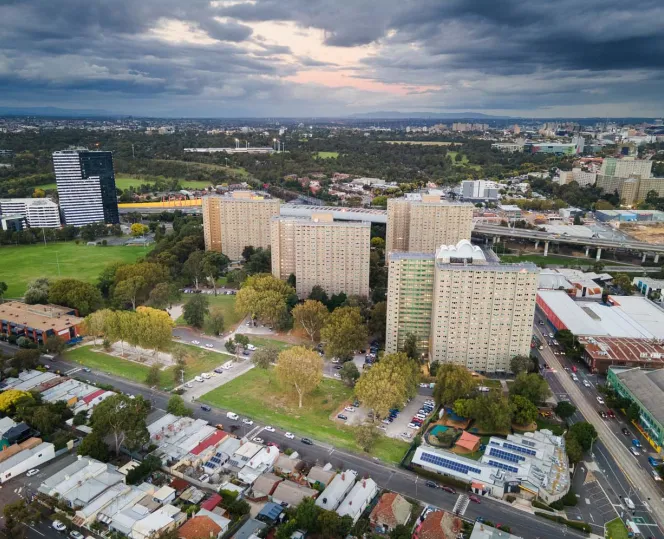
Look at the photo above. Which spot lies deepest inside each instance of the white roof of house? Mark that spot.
(34, 381)
(25, 454)
(164, 492)
(66, 478)
(88, 489)
(156, 521)
(630, 316)
(100, 502)
(463, 249)
(361, 494)
(125, 500)
(6, 423)
(331, 497)
(248, 450)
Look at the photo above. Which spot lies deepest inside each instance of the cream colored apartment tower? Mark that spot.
(421, 225)
(320, 251)
(230, 223)
(480, 314)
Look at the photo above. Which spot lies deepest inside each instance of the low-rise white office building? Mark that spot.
(38, 212)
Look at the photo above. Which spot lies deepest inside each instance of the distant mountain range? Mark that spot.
(53, 111)
(395, 115)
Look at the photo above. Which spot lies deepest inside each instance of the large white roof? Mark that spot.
(629, 316)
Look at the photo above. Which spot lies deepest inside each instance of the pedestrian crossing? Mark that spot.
(461, 505)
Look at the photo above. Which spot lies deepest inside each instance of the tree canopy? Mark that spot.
(453, 382)
(300, 370)
(344, 332)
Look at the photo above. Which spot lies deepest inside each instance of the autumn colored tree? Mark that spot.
(300, 370)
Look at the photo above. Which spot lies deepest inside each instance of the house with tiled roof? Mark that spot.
(439, 525)
(391, 510)
(205, 525)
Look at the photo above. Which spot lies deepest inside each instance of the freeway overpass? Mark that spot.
(496, 232)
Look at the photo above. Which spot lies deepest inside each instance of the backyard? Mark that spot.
(24, 263)
(258, 395)
(199, 361)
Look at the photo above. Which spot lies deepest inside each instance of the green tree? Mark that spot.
(306, 515)
(160, 296)
(37, 291)
(195, 311)
(215, 323)
(492, 412)
(531, 386)
(79, 295)
(310, 316)
(565, 409)
(633, 412)
(349, 373)
(248, 252)
(241, 340)
(17, 514)
(264, 357)
(584, 433)
(378, 243)
(380, 201)
(55, 345)
(519, 364)
(176, 406)
(25, 359)
(94, 446)
(193, 267)
(573, 449)
(231, 346)
(265, 297)
(259, 262)
(299, 369)
(124, 419)
(3, 290)
(127, 291)
(524, 411)
(318, 294)
(410, 346)
(624, 282)
(366, 437)
(453, 382)
(152, 378)
(344, 332)
(214, 265)
(378, 320)
(401, 532)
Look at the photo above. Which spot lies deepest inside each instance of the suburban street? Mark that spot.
(622, 475)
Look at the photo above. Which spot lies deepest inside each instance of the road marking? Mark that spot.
(72, 371)
(461, 505)
(36, 531)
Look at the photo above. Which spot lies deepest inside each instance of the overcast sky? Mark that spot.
(335, 57)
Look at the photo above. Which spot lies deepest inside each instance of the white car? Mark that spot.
(350, 408)
(258, 440)
(208, 345)
(269, 429)
(406, 435)
(198, 379)
(655, 475)
(76, 534)
(59, 526)
(32, 472)
(248, 421)
(204, 478)
(290, 435)
(189, 385)
(195, 342)
(600, 400)
(424, 385)
(337, 375)
(586, 383)
(335, 360)
(413, 426)
(551, 335)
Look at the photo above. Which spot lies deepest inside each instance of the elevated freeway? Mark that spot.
(496, 232)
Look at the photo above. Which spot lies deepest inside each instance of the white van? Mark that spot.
(233, 416)
(251, 347)
(227, 365)
(198, 379)
(206, 375)
(629, 503)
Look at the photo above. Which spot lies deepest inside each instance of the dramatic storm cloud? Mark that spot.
(326, 57)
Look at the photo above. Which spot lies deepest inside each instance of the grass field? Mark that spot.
(615, 530)
(210, 166)
(258, 395)
(328, 155)
(422, 142)
(24, 263)
(262, 342)
(199, 361)
(226, 304)
(125, 182)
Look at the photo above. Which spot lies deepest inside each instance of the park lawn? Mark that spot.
(225, 303)
(328, 155)
(423, 142)
(237, 171)
(615, 530)
(125, 182)
(262, 342)
(24, 263)
(200, 361)
(258, 395)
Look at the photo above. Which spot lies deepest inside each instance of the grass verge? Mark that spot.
(615, 530)
(24, 263)
(258, 394)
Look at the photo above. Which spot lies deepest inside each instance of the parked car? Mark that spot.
(413, 426)
(634, 451)
(611, 413)
(205, 408)
(268, 428)
(626, 432)
(602, 414)
(32, 472)
(59, 526)
(232, 415)
(338, 367)
(208, 345)
(258, 440)
(651, 460)
(307, 441)
(629, 503)
(431, 484)
(636, 443)
(195, 342)
(586, 383)
(655, 475)
(189, 385)
(342, 417)
(290, 435)
(600, 399)
(199, 378)
(449, 489)
(474, 499)
(248, 421)
(76, 534)
(87, 369)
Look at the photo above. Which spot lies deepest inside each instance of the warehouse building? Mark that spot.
(39, 322)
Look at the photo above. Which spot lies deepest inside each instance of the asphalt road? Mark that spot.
(622, 475)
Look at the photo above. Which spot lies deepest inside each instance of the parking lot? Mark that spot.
(397, 427)
(592, 501)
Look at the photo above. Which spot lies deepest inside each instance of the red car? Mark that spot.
(273, 444)
(416, 420)
(474, 498)
(448, 489)
(611, 414)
